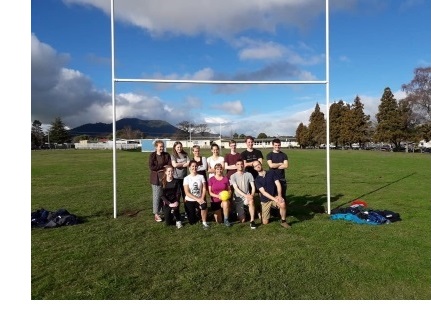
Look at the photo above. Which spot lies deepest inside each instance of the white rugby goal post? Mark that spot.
(148, 80)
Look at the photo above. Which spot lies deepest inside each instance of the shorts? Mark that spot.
(266, 209)
(215, 206)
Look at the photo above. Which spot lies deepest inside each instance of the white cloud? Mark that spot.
(233, 107)
(273, 123)
(223, 18)
(344, 59)
(262, 50)
(61, 91)
(57, 91)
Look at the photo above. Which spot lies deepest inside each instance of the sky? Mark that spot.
(373, 44)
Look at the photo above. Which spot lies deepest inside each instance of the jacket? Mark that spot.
(157, 163)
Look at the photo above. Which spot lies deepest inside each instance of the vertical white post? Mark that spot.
(190, 139)
(114, 118)
(220, 141)
(328, 169)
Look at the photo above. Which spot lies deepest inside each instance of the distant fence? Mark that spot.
(107, 146)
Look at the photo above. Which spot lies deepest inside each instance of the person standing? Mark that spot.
(171, 193)
(251, 154)
(278, 162)
(244, 189)
(195, 188)
(214, 159)
(201, 161)
(217, 184)
(180, 161)
(157, 161)
(269, 187)
(230, 159)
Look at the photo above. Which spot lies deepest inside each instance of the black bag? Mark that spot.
(47, 219)
(40, 217)
(389, 215)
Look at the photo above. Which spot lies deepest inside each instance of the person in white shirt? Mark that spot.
(195, 188)
(214, 159)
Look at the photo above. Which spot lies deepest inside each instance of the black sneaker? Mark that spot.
(253, 225)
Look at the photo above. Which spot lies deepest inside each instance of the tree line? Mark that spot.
(406, 120)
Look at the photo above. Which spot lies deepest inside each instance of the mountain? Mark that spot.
(151, 128)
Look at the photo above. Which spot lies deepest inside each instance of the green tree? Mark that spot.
(359, 122)
(58, 132)
(37, 134)
(346, 136)
(262, 135)
(317, 127)
(302, 136)
(392, 120)
(424, 131)
(336, 111)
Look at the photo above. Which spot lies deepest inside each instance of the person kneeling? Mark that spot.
(269, 188)
(171, 192)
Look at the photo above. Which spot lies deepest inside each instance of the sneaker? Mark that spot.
(253, 225)
(179, 224)
(206, 225)
(285, 225)
(157, 218)
(227, 223)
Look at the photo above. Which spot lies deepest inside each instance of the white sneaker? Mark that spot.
(206, 225)
(179, 225)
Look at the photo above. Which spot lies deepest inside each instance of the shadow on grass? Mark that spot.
(373, 191)
(130, 213)
(97, 214)
(306, 206)
(301, 207)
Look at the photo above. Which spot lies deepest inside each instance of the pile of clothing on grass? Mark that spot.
(46, 219)
(359, 212)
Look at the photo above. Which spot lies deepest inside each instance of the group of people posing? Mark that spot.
(180, 176)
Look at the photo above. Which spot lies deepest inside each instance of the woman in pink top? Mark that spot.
(217, 184)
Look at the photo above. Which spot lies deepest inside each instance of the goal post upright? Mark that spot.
(115, 80)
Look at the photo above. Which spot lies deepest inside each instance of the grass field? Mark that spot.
(133, 257)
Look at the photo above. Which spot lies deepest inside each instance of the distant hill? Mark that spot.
(151, 128)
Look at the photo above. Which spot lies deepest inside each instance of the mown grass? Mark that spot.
(133, 257)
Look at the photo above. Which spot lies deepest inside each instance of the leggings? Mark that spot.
(183, 192)
(170, 214)
(157, 193)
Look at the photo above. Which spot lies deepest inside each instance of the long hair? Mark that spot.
(164, 180)
(174, 151)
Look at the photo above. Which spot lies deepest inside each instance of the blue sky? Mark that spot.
(373, 44)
